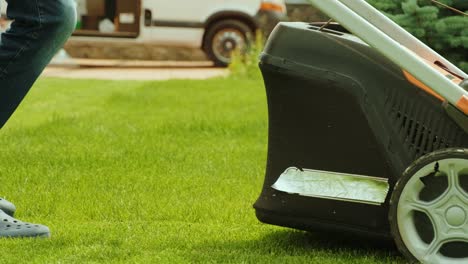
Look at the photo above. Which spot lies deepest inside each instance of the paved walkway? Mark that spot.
(132, 70)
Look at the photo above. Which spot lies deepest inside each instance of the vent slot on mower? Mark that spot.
(421, 129)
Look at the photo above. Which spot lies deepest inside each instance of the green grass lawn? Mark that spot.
(150, 172)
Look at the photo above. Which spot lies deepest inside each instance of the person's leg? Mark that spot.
(39, 30)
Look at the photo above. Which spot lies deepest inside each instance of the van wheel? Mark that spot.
(224, 37)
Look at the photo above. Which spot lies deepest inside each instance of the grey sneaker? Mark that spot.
(7, 207)
(13, 228)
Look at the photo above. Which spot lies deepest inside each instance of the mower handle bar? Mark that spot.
(398, 45)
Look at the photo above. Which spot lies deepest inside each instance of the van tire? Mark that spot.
(223, 37)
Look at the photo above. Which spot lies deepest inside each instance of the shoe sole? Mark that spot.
(42, 235)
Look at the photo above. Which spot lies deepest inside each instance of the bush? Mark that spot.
(244, 65)
(440, 28)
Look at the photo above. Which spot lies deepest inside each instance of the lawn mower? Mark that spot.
(368, 133)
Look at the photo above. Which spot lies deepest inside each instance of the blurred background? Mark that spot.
(158, 30)
(209, 31)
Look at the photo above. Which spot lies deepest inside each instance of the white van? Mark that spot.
(216, 26)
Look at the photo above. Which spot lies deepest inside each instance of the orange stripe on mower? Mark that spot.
(463, 104)
(421, 85)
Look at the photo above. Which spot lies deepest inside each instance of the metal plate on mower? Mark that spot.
(333, 186)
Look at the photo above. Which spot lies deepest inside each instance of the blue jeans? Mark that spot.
(40, 28)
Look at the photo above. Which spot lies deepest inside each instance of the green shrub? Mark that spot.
(244, 64)
(440, 28)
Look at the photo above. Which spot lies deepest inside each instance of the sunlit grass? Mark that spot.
(150, 172)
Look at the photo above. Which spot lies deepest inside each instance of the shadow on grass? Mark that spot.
(326, 241)
(293, 246)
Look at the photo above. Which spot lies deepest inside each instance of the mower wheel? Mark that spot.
(429, 208)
